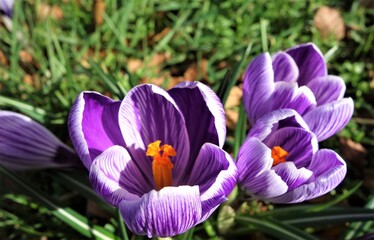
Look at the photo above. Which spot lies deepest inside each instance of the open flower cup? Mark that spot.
(157, 155)
(280, 161)
(296, 79)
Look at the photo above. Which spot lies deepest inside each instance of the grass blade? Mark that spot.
(67, 215)
(276, 229)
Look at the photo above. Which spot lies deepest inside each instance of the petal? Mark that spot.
(255, 174)
(258, 86)
(164, 213)
(108, 179)
(289, 95)
(327, 89)
(330, 118)
(293, 176)
(93, 125)
(147, 114)
(25, 144)
(203, 114)
(253, 159)
(300, 144)
(328, 171)
(310, 62)
(7, 7)
(285, 68)
(276, 120)
(215, 173)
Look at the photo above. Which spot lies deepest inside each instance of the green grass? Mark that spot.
(70, 55)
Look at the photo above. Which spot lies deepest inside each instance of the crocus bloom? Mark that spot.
(296, 79)
(25, 145)
(280, 161)
(6, 6)
(156, 155)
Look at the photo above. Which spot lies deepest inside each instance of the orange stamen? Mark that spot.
(279, 155)
(161, 165)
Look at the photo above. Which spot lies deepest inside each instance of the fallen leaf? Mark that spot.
(159, 59)
(232, 107)
(25, 56)
(134, 65)
(160, 35)
(3, 59)
(328, 21)
(234, 98)
(45, 11)
(175, 80)
(353, 152)
(99, 9)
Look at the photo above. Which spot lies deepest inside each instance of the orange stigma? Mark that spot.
(161, 165)
(279, 155)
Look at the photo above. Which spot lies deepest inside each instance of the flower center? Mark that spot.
(279, 155)
(161, 165)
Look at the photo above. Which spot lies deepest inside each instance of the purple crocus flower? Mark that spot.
(296, 79)
(156, 155)
(6, 6)
(280, 161)
(26, 145)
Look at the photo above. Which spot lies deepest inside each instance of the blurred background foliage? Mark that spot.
(55, 49)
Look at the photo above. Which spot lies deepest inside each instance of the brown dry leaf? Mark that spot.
(329, 22)
(159, 59)
(134, 65)
(154, 80)
(99, 9)
(25, 56)
(353, 152)
(3, 59)
(160, 35)
(231, 107)
(31, 80)
(174, 81)
(232, 117)
(45, 11)
(371, 74)
(195, 71)
(234, 98)
(191, 73)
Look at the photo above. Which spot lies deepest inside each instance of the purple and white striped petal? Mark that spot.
(205, 123)
(164, 213)
(108, 178)
(310, 62)
(327, 89)
(293, 176)
(255, 174)
(300, 144)
(215, 173)
(285, 68)
(258, 87)
(25, 144)
(328, 168)
(274, 120)
(7, 7)
(289, 95)
(93, 125)
(147, 114)
(330, 118)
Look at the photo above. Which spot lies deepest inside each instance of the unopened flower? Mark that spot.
(156, 155)
(280, 161)
(296, 79)
(26, 145)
